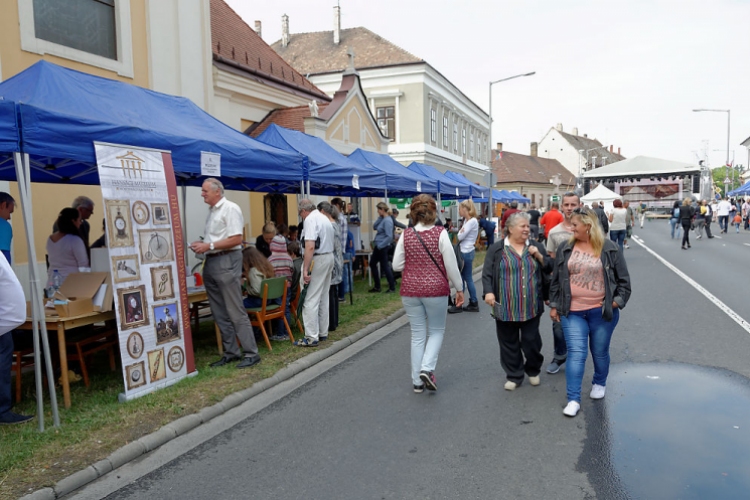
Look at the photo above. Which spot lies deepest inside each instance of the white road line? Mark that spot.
(746, 244)
(718, 303)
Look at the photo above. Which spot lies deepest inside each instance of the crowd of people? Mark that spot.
(697, 216)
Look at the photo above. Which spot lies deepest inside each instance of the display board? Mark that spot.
(144, 238)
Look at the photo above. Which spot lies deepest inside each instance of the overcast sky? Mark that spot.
(627, 72)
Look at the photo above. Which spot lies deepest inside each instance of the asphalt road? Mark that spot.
(358, 431)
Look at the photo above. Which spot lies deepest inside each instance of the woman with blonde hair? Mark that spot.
(467, 237)
(590, 284)
(425, 255)
(255, 268)
(383, 239)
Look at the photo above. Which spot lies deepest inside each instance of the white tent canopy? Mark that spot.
(642, 166)
(601, 193)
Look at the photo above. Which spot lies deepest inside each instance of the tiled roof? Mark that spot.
(291, 118)
(586, 143)
(314, 53)
(235, 43)
(514, 167)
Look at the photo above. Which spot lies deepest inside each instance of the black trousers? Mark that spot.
(380, 256)
(686, 233)
(519, 339)
(333, 307)
(708, 226)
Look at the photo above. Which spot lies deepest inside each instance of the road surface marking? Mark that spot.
(718, 303)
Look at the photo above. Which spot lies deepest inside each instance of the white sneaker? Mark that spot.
(597, 391)
(535, 380)
(510, 386)
(572, 409)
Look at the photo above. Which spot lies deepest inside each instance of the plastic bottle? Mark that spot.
(56, 280)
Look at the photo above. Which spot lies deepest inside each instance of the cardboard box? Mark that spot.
(79, 291)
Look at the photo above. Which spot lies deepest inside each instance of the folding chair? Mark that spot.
(273, 288)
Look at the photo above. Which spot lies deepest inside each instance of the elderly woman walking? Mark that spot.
(513, 280)
(590, 284)
(425, 255)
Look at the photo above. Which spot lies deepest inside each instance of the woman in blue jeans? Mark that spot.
(467, 237)
(590, 284)
(618, 223)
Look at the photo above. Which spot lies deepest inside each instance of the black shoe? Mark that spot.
(10, 418)
(473, 307)
(374, 290)
(454, 310)
(248, 361)
(429, 380)
(225, 360)
(391, 290)
(419, 389)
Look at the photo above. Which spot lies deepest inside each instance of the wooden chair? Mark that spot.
(21, 359)
(293, 307)
(273, 288)
(80, 347)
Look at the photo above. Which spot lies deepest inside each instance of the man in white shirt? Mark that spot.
(222, 275)
(12, 314)
(317, 266)
(722, 211)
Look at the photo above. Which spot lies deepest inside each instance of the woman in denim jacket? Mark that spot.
(590, 284)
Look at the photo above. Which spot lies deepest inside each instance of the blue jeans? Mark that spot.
(558, 340)
(618, 236)
(675, 223)
(427, 318)
(723, 221)
(346, 276)
(466, 275)
(582, 328)
(6, 360)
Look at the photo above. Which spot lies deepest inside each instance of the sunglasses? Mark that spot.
(583, 211)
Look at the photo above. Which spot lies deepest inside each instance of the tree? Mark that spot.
(733, 173)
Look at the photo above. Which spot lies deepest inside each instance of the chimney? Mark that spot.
(499, 146)
(258, 29)
(575, 131)
(284, 30)
(586, 135)
(534, 148)
(559, 127)
(336, 24)
(618, 151)
(611, 148)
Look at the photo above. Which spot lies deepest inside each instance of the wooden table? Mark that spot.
(61, 325)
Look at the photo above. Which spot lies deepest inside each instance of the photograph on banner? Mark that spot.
(142, 219)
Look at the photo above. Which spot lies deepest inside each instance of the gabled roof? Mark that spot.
(236, 44)
(315, 53)
(586, 143)
(291, 118)
(514, 167)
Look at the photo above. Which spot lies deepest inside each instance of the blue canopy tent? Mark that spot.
(449, 189)
(8, 129)
(517, 197)
(502, 196)
(61, 112)
(476, 190)
(741, 191)
(400, 181)
(328, 172)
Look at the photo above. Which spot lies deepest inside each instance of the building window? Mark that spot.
(455, 137)
(445, 131)
(533, 198)
(387, 121)
(471, 145)
(433, 125)
(93, 32)
(87, 25)
(463, 141)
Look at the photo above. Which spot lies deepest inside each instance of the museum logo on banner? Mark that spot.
(144, 238)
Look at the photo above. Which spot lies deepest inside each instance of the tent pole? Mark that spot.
(385, 196)
(23, 177)
(308, 188)
(302, 188)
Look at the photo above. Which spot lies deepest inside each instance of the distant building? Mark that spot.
(425, 117)
(530, 175)
(575, 152)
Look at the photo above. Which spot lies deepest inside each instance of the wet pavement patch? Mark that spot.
(669, 431)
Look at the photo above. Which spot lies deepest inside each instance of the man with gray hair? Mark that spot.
(222, 275)
(317, 267)
(85, 207)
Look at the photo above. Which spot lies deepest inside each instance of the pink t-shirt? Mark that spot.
(586, 280)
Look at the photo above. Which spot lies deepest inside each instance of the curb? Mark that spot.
(183, 425)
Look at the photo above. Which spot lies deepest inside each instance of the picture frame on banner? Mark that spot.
(125, 268)
(155, 245)
(119, 223)
(160, 212)
(162, 283)
(133, 307)
(166, 323)
(157, 365)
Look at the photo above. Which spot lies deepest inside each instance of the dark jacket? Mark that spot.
(603, 219)
(616, 279)
(491, 270)
(686, 214)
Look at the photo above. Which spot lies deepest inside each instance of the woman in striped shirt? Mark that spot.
(513, 279)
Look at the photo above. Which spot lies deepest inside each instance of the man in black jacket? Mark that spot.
(603, 220)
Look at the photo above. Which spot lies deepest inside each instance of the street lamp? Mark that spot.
(491, 213)
(728, 123)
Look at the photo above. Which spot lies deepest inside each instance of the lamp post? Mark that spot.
(729, 114)
(491, 213)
